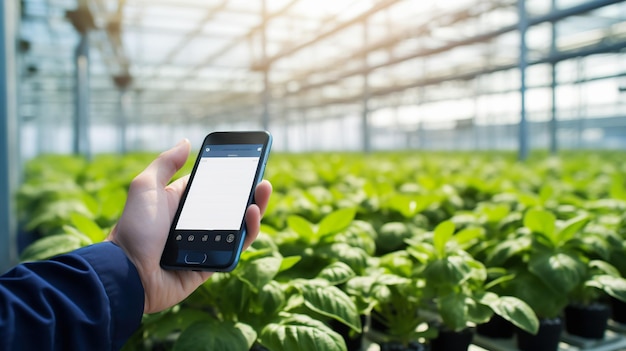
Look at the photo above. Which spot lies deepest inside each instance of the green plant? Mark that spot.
(393, 303)
(81, 231)
(458, 283)
(337, 237)
(249, 305)
(520, 229)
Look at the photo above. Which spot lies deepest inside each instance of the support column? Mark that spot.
(122, 82)
(9, 145)
(523, 63)
(365, 125)
(83, 22)
(553, 119)
(475, 128)
(81, 97)
(265, 96)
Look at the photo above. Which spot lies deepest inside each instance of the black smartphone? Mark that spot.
(209, 229)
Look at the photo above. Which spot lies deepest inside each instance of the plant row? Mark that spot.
(407, 247)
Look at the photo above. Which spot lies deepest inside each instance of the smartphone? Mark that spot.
(209, 229)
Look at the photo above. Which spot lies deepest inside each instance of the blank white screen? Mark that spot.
(219, 193)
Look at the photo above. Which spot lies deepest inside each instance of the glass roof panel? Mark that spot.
(315, 50)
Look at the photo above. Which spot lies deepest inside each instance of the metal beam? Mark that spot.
(553, 84)
(9, 146)
(522, 65)
(480, 38)
(195, 32)
(227, 48)
(601, 48)
(557, 15)
(560, 56)
(400, 59)
(81, 144)
(353, 21)
(442, 20)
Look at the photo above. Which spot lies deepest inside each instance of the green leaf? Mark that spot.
(404, 204)
(617, 190)
(300, 333)
(174, 320)
(391, 236)
(259, 272)
(468, 235)
(271, 298)
(447, 272)
(88, 227)
(84, 239)
(301, 226)
(604, 267)
(50, 246)
(495, 213)
(397, 262)
(614, 286)
(453, 310)
(443, 232)
(336, 273)
(289, 262)
(477, 313)
(391, 279)
(544, 301)
(546, 193)
(113, 203)
(354, 257)
(336, 221)
(515, 311)
(55, 213)
(333, 303)
(216, 335)
(540, 221)
(571, 227)
(508, 249)
(562, 272)
(89, 202)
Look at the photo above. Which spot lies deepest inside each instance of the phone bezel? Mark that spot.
(170, 250)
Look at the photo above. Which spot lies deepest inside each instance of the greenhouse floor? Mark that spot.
(614, 340)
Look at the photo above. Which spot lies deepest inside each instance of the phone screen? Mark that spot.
(218, 194)
(208, 230)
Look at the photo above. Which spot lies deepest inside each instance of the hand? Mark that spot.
(144, 225)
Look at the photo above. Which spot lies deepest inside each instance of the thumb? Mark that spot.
(169, 162)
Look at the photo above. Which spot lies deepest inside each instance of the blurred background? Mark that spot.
(114, 76)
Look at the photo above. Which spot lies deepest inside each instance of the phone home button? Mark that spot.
(195, 258)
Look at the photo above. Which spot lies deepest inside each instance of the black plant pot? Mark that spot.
(618, 310)
(448, 340)
(377, 324)
(547, 338)
(587, 321)
(396, 346)
(353, 342)
(497, 328)
(258, 347)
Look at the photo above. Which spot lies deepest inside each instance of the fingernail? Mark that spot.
(181, 142)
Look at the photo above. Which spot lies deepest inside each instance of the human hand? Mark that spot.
(144, 225)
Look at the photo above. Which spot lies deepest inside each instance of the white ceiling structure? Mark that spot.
(236, 61)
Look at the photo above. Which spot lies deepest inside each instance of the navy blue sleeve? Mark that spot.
(89, 299)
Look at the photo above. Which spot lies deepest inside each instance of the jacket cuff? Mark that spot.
(123, 286)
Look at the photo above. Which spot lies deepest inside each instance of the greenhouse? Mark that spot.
(445, 175)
